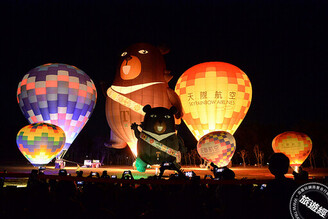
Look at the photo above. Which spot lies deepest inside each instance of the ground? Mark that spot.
(241, 172)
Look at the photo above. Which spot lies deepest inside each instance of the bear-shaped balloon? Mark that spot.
(141, 79)
(158, 141)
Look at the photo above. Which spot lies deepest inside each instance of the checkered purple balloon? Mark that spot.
(59, 94)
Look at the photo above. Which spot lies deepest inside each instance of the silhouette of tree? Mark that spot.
(325, 158)
(243, 154)
(189, 157)
(261, 158)
(312, 158)
(185, 156)
(194, 155)
(257, 154)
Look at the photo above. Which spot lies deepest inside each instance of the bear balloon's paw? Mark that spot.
(134, 126)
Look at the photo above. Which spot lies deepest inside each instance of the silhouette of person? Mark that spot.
(223, 173)
(105, 174)
(301, 174)
(33, 179)
(280, 189)
(226, 195)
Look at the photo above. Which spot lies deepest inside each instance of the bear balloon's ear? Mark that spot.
(164, 49)
(146, 108)
(173, 110)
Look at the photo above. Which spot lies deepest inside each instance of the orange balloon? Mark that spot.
(141, 79)
(215, 96)
(295, 145)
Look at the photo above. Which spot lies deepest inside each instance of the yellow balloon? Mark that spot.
(295, 145)
(215, 96)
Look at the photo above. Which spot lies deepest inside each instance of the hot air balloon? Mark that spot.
(217, 147)
(40, 142)
(295, 145)
(59, 94)
(215, 96)
(141, 79)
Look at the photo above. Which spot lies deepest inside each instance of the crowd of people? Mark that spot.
(82, 199)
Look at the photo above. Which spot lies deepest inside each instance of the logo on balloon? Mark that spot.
(40, 142)
(217, 147)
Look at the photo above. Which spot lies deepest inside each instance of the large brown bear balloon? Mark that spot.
(141, 79)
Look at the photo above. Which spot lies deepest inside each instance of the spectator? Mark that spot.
(223, 173)
(301, 174)
(280, 189)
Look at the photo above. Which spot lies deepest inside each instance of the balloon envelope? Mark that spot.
(40, 142)
(295, 145)
(217, 147)
(140, 79)
(215, 97)
(59, 94)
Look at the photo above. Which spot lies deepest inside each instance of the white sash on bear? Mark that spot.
(114, 93)
(125, 101)
(156, 144)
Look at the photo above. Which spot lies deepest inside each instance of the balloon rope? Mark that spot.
(136, 107)
(160, 146)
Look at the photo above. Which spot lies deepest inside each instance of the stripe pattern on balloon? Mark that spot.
(40, 142)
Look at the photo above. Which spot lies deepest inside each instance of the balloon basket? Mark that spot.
(156, 167)
(40, 166)
(60, 164)
(296, 168)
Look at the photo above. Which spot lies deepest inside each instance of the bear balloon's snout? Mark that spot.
(130, 67)
(160, 127)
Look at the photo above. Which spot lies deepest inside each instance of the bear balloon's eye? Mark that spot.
(124, 54)
(143, 51)
(167, 116)
(153, 116)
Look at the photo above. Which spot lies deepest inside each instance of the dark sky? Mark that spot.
(281, 46)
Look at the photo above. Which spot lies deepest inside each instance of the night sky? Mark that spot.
(280, 45)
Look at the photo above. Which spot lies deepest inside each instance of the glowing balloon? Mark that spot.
(40, 142)
(59, 94)
(141, 79)
(215, 96)
(295, 145)
(217, 147)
